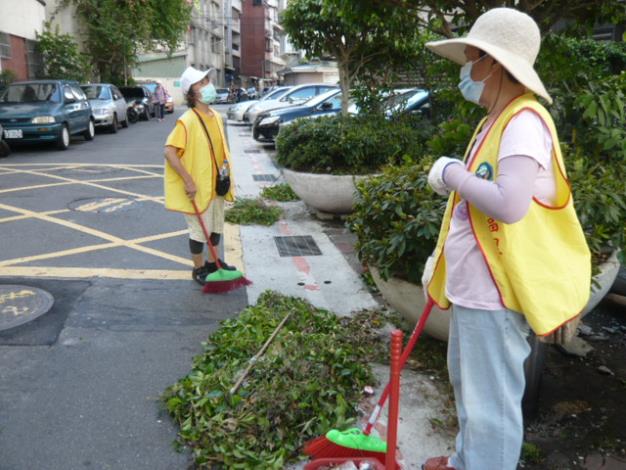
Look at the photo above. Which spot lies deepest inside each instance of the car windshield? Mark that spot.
(221, 91)
(275, 94)
(97, 92)
(151, 86)
(30, 93)
(133, 92)
(321, 98)
(403, 100)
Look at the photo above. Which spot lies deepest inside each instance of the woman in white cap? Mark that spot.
(196, 151)
(511, 252)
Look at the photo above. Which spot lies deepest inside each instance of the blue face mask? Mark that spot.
(208, 94)
(471, 89)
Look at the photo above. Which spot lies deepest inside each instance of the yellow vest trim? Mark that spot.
(197, 160)
(540, 265)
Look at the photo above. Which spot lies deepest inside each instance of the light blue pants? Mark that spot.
(486, 354)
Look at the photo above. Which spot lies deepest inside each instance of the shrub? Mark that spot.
(308, 381)
(397, 219)
(351, 145)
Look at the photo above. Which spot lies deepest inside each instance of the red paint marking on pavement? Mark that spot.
(300, 262)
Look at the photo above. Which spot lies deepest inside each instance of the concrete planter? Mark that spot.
(603, 282)
(408, 298)
(334, 194)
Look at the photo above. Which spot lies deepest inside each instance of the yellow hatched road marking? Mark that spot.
(76, 165)
(87, 183)
(91, 248)
(97, 233)
(81, 273)
(23, 217)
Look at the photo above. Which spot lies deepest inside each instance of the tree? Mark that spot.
(446, 17)
(60, 55)
(372, 44)
(115, 31)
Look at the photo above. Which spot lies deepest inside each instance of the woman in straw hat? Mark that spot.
(511, 254)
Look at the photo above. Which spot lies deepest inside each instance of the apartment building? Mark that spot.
(262, 41)
(232, 37)
(20, 22)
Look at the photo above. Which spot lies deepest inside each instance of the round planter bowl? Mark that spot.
(334, 194)
(408, 299)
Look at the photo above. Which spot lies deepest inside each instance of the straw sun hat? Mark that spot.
(509, 36)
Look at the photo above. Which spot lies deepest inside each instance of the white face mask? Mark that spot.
(471, 89)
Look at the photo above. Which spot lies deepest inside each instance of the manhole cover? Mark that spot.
(297, 246)
(101, 204)
(21, 304)
(270, 178)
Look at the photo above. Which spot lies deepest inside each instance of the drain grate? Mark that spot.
(270, 178)
(297, 246)
(251, 151)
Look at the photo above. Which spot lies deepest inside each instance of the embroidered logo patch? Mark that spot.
(484, 171)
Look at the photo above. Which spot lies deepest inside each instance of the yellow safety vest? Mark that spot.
(540, 265)
(199, 163)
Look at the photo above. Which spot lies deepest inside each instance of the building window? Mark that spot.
(268, 45)
(34, 60)
(257, 2)
(5, 46)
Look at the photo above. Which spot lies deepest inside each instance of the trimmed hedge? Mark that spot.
(351, 145)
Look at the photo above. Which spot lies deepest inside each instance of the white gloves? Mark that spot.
(429, 268)
(435, 175)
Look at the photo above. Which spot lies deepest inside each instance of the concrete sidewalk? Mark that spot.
(328, 280)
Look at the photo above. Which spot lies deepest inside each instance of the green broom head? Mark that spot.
(222, 275)
(354, 438)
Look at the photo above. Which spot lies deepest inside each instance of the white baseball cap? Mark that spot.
(190, 76)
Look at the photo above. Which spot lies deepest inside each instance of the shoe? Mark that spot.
(212, 267)
(437, 463)
(199, 274)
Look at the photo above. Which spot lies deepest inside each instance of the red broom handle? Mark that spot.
(206, 235)
(394, 401)
(403, 358)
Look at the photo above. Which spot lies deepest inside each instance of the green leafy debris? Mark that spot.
(279, 192)
(308, 381)
(253, 212)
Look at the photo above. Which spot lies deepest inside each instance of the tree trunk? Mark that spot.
(344, 84)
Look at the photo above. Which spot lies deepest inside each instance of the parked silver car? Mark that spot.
(295, 96)
(108, 105)
(236, 111)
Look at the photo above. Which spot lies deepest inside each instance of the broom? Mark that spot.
(344, 443)
(221, 280)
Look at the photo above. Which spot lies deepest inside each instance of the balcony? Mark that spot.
(236, 5)
(236, 25)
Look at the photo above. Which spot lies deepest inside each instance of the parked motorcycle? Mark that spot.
(133, 113)
(5, 150)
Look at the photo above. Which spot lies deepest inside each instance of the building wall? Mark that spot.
(22, 18)
(17, 63)
(300, 78)
(253, 39)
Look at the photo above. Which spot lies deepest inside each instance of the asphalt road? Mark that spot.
(80, 385)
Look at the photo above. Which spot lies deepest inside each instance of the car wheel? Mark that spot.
(146, 115)
(90, 132)
(125, 122)
(63, 141)
(114, 125)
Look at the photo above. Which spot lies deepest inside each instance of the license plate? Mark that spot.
(13, 134)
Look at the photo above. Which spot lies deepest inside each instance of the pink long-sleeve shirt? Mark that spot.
(525, 171)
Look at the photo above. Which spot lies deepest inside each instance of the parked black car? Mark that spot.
(268, 123)
(45, 111)
(141, 97)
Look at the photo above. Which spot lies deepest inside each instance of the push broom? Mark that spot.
(337, 443)
(222, 280)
